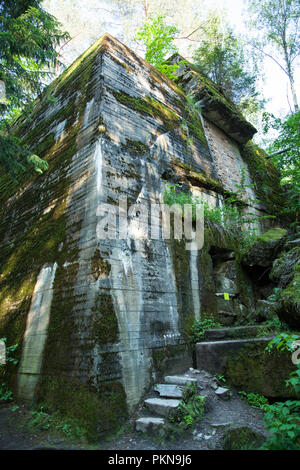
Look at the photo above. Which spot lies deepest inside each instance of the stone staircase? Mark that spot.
(164, 398)
(158, 408)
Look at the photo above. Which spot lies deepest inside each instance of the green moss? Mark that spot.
(100, 268)
(165, 358)
(149, 106)
(201, 179)
(253, 370)
(265, 177)
(98, 412)
(241, 438)
(105, 322)
(272, 234)
(135, 147)
(289, 301)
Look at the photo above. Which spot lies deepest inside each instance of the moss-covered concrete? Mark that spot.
(98, 411)
(252, 369)
(265, 177)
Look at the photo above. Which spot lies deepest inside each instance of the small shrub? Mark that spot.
(282, 419)
(5, 394)
(190, 409)
(200, 326)
(254, 399)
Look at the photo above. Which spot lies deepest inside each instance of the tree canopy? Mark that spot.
(28, 40)
(276, 24)
(222, 56)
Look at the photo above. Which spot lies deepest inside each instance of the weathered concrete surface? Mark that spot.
(162, 406)
(237, 332)
(36, 334)
(179, 380)
(121, 305)
(247, 365)
(168, 391)
(150, 425)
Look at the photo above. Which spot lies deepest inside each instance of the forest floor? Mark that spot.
(220, 416)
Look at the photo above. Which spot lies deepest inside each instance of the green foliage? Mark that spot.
(5, 393)
(282, 419)
(275, 324)
(283, 342)
(158, 39)
(277, 23)
(224, 58)
(190, 409)
(229, 217)
(220, 378)
(200, 326)
(41, 420)
(254, 399)
(28, 41)
(285, 154)
(276, 294)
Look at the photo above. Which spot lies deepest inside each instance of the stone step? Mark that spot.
(162, 406)
(179, 380)
(149, 425)
(168, 390)
(236, 332)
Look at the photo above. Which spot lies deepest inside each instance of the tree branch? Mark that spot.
(271, 57)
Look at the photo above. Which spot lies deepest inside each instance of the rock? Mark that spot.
(283, 269)
(149, 425)
(169, 391)
(295, 242)
(223, 393)
(242, 438)
(288, 309)
(225, 278)
(265, 310)
(162, 406)
(265, 249)
(222, 425)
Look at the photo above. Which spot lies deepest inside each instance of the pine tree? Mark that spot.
(28, 40)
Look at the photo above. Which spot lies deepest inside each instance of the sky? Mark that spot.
(87, 21)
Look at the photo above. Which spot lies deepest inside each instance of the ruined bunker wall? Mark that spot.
(119, 309)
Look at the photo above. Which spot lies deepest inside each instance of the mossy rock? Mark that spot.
(242, 438)
(283, 269)
(288, 309)
(265, 249)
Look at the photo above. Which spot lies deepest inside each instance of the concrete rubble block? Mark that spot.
(237, 332)
(162, 406)
(247, 366)
(179, 380)
(149, 425)
(223, 393)
(169, 391)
